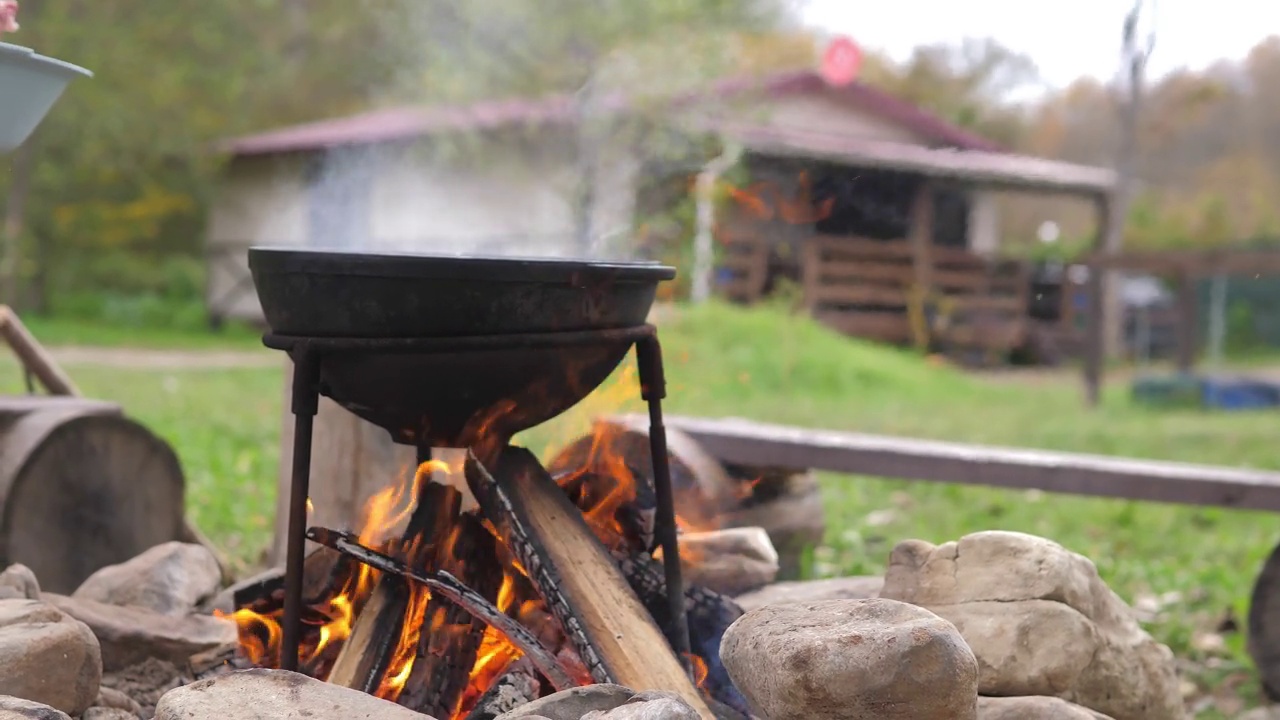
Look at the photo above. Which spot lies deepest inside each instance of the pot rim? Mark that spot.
(11, 52)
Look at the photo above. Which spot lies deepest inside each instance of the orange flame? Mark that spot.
(329, 624)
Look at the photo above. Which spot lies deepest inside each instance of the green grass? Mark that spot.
(89, 333)
(770, 366)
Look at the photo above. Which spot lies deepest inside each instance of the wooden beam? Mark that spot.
(747, 442)
(1096, 312)
(33, 356)
(1195, 262)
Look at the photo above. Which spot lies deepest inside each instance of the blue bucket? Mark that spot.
(29, 86)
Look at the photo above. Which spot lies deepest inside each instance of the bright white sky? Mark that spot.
(1066, 38)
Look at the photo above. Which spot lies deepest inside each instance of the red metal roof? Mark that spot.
(405, 123)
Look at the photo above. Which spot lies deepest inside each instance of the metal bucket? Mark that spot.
(29, 86)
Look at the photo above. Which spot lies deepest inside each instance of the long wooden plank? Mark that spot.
(613, 633)
(33, 356)
(747, 442)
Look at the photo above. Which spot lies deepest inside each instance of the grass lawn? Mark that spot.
(1198, 563)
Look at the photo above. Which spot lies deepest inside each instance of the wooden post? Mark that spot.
(1096, 317)
(351, 460)
(33, 356)
(921, 238)
(1188, 320)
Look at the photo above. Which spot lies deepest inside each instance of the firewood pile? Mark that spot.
(503, 589)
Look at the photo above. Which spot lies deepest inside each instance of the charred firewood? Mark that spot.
(583, 588)
(451, 588)
(451, 636)
(368, 652)
(709, 615)
(517, 686)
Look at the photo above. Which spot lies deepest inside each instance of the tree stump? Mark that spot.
(351, 460)
(82, 487)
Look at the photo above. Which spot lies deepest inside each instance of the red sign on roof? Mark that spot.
(841, 62)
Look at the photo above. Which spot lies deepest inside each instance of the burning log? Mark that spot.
(467, 599)
(612, 631)
(368, 652)
(451, 636)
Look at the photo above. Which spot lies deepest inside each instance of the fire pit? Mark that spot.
(450, 352)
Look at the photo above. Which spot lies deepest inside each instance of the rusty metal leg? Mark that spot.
(653, 388)
(306, 397)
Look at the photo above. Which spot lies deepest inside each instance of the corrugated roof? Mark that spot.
(981, 167)
(405, 123)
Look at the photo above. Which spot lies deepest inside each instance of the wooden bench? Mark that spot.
(751, 443)
(747, 442)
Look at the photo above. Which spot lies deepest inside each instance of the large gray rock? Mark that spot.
(846, 588)
(129, 635)
(572, 704)
(12, 708)
(1040, 621)
(851, 660)
(47, 657)
(1033, 708)
(19, 582)
(274, 694)
(172, 578)
(648, 705)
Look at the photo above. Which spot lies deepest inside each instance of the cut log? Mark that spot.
(368, 652)
(351, 460)
(82, 487)
(607, 624)
(451, 637)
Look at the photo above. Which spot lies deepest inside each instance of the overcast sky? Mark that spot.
(1065, 39)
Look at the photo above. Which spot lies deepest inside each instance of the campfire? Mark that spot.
(482, 579)
(455, 620)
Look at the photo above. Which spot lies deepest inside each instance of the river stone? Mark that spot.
(572, 704)
(276, 694)
(47, 657)
(870, 659)
(1033, 708)
(19, 582)
(1041, 622)
(846, 588)
(171, 578)
(130, 635)
(12, 708)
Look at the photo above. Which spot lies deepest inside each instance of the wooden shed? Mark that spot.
(887, 240)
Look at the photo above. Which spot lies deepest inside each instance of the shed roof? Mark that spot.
(404, 123)
(971, 166)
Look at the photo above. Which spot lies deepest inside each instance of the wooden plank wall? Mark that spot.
(745, 259)
(864, 288)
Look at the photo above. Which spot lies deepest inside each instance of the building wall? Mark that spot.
(505, 195)
(260, 201)
(511, 195)
(984, 223)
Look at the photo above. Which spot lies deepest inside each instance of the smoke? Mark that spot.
(564, 188)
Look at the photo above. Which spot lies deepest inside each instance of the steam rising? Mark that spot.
(561, 189)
